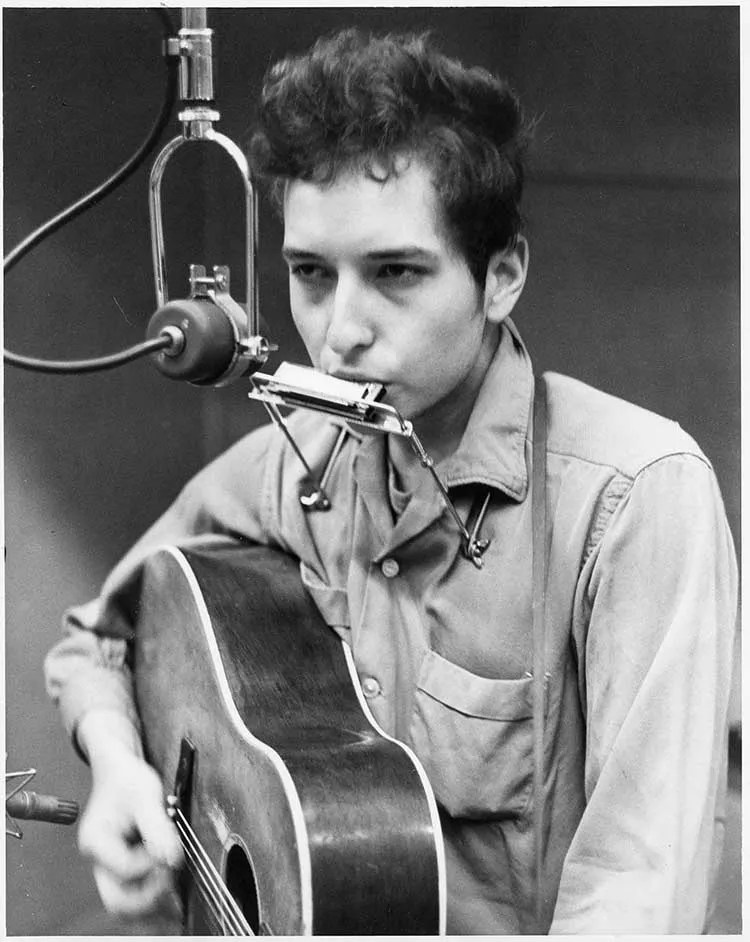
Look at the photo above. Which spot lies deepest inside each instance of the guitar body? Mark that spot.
(316, 820)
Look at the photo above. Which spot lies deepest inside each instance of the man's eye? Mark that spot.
(308, 271)
(400, 273)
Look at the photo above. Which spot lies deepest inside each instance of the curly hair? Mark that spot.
(356, 102)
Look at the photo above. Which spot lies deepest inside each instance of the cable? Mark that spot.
(86, 202)
(118, 177)
(88, 366)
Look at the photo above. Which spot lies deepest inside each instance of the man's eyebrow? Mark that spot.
(405, 253)
(400, 252)
(292, 254)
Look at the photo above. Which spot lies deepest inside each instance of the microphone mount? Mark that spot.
(233, 344)
(208, 333)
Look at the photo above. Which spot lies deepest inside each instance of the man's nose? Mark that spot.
(348, 325)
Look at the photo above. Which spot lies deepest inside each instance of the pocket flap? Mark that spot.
(468, 693)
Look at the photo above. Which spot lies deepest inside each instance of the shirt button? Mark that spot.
(390, 568)
(370, 687)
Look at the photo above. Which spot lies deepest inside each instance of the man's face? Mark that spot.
(377, 291)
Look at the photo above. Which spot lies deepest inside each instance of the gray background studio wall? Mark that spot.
(632, 214)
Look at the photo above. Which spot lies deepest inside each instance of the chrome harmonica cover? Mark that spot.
(302, 387)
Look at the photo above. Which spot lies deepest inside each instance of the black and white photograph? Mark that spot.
(372, 452)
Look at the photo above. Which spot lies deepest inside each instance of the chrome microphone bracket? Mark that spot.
(301, 387)
(194, 45)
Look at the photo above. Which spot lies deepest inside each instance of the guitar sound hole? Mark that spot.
(240, 881)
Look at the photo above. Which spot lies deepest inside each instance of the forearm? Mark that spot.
(86, 673)
(125, 830)
(661, 602)
(103, 734)
(644, 854)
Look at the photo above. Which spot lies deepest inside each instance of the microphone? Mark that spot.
(32, 806)
(214, 340)
(208, 333)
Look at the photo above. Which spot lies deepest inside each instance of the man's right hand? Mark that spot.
(125, 830)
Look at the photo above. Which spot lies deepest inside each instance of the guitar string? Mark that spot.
(208, 894)
(221, 902)
(211, 887)
(214, 919)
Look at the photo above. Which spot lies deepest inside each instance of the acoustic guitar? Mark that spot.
(298, 815)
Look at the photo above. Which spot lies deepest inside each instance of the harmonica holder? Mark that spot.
(214, 339)
(357, 404)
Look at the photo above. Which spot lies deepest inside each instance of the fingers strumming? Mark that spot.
(159, 836)
(136, 897)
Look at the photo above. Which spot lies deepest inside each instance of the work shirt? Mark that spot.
(640, 614)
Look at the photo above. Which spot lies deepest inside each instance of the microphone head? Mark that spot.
(209, 345)
(66, 812)
(31, 806)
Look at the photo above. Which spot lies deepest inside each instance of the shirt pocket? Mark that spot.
(474, 736)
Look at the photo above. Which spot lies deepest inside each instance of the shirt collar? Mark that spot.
(493, 448)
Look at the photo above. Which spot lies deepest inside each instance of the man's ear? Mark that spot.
(506, 276)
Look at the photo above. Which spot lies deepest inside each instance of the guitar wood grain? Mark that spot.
(334, 818)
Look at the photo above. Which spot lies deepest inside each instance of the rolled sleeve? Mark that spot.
(85, 672)
(90, 667)
(660, 605)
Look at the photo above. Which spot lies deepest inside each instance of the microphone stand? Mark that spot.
(203, 349)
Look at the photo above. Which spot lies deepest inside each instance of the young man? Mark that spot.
(399, 173)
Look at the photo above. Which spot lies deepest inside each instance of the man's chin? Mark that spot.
(392, 399)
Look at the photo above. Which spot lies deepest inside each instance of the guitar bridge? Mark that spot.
(179, 802)
(183, 780)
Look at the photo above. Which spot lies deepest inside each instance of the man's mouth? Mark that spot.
(353, 377)
(368, 388)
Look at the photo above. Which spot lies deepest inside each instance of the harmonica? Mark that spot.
(294, 387)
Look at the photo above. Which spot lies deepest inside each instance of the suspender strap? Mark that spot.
(539, 589)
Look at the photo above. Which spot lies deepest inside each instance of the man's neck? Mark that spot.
(441, 428)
